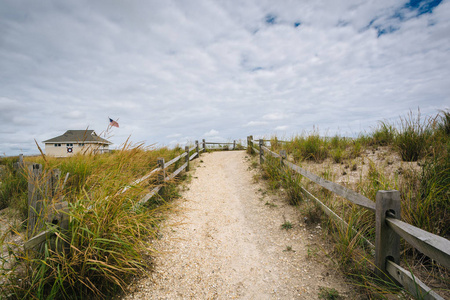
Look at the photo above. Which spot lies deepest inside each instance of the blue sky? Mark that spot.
(172, 72)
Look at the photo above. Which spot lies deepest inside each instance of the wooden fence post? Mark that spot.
(387, 242)
(34, 197)
(283, 156)
(186, 148)
(39, 189)
(45, 187)
(19, 164)
(162, 174)
(261, 153)
(54, 181)
(204, 145)
(250, 144)
(197, 148)
(234, 145)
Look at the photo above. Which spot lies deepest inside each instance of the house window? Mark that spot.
(81, 144)
(57, 145)
(69, 145)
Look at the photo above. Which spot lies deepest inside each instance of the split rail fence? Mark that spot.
(53, 213)
(389, 227)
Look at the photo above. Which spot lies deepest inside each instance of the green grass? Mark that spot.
(289, 249)
(311, 147)
(443, 123)
(328, 293)
(423, 190)
(413, 137)
(108, 235)
(13, 188)
(270, 204)
(337, 154)
(286, 225)
(384, 134)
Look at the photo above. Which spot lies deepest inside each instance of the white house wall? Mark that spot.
(61, 151)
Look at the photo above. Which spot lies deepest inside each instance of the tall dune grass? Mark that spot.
(413, 137)
(13, 187)
(108, 235)
(424, 194)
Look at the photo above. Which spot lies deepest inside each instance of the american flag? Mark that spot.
(113, 123)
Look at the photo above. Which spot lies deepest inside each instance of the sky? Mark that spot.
(172, 72)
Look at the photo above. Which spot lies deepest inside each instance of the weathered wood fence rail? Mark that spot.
(162, 168)
(217, 143)
(389, 227)
(46, 208)
(58, 215)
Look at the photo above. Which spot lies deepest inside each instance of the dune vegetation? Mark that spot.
(411, 156)
(108, 234)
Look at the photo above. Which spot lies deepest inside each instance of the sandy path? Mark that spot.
(226, 243)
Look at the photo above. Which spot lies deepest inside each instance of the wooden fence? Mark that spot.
(389, 227)
(228, 144)
(56, 214)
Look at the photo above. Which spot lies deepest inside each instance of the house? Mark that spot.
(76, 141)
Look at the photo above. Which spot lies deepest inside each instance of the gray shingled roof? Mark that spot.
(78, 136)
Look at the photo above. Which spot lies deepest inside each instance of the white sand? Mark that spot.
(224, 242)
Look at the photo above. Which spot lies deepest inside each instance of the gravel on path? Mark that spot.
(225, 241)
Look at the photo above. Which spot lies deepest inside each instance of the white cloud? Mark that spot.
(181, 68)
(255, 123)
(283, 127)
(74, 114)
(275, 116)
(211, 133)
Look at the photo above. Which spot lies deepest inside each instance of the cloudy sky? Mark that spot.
(176, 71)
